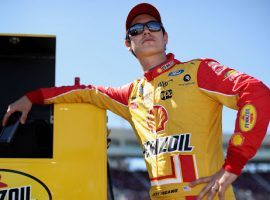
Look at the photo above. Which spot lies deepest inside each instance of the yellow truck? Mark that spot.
(61, 152)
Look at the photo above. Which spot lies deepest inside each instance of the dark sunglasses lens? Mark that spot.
(153, 26)
(136, 29)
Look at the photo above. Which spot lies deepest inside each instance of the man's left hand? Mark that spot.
(216, 184)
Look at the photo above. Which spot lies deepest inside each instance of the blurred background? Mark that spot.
(90, 45)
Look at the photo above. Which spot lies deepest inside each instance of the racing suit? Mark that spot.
(176, 112)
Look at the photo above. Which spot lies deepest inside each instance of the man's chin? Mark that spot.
(150, 51)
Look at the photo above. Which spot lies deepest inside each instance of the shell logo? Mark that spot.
(237, 139)
(248, 116)
(21, 186)
(157, 118)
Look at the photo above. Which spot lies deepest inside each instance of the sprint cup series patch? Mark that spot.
(16, 185)
(248, 116)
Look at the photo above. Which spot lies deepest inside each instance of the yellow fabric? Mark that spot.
(172, 118)
(201, 119)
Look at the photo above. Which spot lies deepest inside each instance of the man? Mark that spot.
(175, 111)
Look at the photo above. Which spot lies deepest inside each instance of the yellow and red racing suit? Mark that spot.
(176, 113)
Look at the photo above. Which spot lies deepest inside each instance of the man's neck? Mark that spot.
(152, 61)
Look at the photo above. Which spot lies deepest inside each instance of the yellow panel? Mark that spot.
(78, 168)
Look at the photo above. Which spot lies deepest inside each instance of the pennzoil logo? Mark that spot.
(168, 144)
(248, 116)
(16, 185)
(157, 118)
(18, 193)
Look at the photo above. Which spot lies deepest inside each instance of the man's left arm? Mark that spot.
(251, 98)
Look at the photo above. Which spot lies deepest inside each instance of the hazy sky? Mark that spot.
(90, 37)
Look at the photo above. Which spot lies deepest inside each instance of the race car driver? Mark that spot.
(176, 110)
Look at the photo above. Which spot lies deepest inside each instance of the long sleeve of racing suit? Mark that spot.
(114, 99)
(247, 95)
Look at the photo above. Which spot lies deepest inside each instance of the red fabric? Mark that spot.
(188, 168)
(162, 68)
(249, 91)
(120, 94)
(191, 197)
(143, 8)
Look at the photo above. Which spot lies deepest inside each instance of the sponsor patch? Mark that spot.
(186, 188)
(148, 98)
(248, 116)
(141, 90)
(157, 118)
(176, 73)
(232, 74)
(187, 78)
(166, 94)
(134, 105)
(237, 139)
(164, 83)
(167, 66)
(159, 193)
(186, 84)
(179, 143)
(217, 67)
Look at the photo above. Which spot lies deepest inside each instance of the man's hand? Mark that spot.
(216, 184)
(23, 105)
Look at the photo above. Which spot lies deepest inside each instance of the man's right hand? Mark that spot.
(23, 105)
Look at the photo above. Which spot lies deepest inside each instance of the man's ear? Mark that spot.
(128, 45)
(165, 38)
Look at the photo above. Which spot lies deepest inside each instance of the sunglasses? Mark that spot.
(138, 29)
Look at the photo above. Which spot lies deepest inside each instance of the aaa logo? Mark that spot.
(157, 118)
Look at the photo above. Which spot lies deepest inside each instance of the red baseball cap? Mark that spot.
(143, 8)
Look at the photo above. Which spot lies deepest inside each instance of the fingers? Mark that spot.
(6, 116)
(200, 181)
(23, 105)
(221, 193)
(24, 117)
(205, 191)
(216, 184)
(213, 191)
